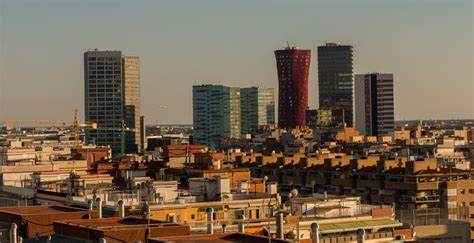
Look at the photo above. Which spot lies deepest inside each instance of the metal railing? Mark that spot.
(432, 216)
(419, 199)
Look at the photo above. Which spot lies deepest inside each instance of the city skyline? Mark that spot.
(226, 58)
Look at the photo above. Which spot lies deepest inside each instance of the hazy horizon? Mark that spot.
(427, 45)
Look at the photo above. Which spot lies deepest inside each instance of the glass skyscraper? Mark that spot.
(257, 108)
(336, 83)
(216, 114)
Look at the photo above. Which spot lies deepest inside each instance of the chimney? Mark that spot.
(102, 240)
(91, 204)
(13, 233)
(99, 206)
(224, 228)
(241, 224)
(121, 208)
(210, 221)
(360, 236)
(314, 233)
(279, 224)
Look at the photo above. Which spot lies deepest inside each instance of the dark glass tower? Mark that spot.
(336, 84)
(293, 67)
(374, 104)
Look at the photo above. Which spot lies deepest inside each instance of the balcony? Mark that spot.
(295, 180)
(389, 198)
(390, 185)
(419, 199)
(376, 198)
(342, 182)
(427, 186)
(411, 186)
(317, 180)
(375, 184)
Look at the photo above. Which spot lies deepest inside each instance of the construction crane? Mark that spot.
(93, 125)
(54, 123)
(122, 131)
(77, 126)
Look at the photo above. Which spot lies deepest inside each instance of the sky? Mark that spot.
(426, 44)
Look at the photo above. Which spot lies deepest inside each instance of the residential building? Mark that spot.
(38, 220)
(129, 229)
(216, 114)
(257, 108)
(112, 99)
(336, 86)
(293, 66)
(374, 104)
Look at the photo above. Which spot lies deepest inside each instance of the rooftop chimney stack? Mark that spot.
(279, 224)
(13, 233)
(241, 224)
(121, 208)
(91, 204)
(210, 221)
(314, 233)
(360, 236)
(99, 206)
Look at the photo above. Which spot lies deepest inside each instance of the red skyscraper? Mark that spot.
(293, 67)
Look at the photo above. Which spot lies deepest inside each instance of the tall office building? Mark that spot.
(374, 104)
(257, 108)
(131, 82)
(293, 67)
(336, 86)
(216, 114)
(112, 98)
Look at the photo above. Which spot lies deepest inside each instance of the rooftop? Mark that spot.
(233, 237)
(37, 210)
(116, 223)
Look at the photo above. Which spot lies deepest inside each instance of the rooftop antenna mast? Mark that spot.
(288, 44)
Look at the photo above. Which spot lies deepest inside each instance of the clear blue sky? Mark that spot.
(428, 45)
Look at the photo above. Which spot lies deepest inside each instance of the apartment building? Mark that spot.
(407, 183)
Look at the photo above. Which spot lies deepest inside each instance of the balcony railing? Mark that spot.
(419, 199)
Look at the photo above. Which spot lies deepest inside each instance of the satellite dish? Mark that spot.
(294, 193)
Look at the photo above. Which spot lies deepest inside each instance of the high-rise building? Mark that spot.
(257, 106)
(336, 86)
(112, 98)
(374, 104)
(216, 114)
(293, 67)
(131, 81)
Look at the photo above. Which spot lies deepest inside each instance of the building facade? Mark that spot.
(374, 104)
(336, 86)
(112, 98)
(293, 67)
(216, 114)
(257, 106)
(131, 81)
